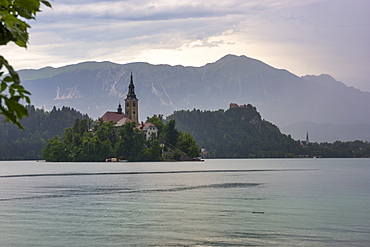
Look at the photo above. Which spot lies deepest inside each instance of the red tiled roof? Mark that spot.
(123, 121)
(145, 126)
(112, 116)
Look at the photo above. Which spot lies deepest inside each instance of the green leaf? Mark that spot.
(7, 79)
(11, 91)
(46, 3)
(3, 86)
(13, 28)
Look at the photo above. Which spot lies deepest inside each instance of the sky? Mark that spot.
(305, 37)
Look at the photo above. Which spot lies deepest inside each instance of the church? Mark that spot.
(131, 113)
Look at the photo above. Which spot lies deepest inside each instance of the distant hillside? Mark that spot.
(282, 97)
(236, 133)
(39, 126)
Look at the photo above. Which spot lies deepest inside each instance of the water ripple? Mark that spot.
(107, 191)
(143, 173)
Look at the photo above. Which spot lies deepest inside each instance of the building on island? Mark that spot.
(132, 103)
(131, 114)
(149, 129)
(123, 121)
(113, 116)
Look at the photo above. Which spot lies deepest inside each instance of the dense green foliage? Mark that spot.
(127, 142)
(235, 133)
(13, 28)
(39, 126)
(184, 141)
(241, 133)
(103, 141)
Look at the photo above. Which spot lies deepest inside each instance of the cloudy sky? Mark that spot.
(304, 37)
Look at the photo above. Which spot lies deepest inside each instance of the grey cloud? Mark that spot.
(332, 35)
(145, 10)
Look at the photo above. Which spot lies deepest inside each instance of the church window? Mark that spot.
(133, 104)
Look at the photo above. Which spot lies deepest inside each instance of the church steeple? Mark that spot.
(131, 103)
(307, 139)
(131, 89)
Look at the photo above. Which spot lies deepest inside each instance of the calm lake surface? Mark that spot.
(231, 202)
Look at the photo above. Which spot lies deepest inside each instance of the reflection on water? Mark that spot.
(215, 203)
(81, 191)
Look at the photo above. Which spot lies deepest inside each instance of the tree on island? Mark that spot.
(105, 140)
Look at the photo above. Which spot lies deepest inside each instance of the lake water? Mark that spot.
(231, 202)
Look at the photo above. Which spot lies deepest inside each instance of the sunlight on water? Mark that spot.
(214, 203)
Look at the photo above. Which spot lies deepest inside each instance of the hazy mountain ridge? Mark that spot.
(280, 96)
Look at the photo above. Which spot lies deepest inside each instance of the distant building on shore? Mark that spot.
(234, 105)
(306, 142)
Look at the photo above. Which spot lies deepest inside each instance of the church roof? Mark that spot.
(123, 121)
(112, 116)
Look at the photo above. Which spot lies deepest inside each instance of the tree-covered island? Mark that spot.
(127, 142)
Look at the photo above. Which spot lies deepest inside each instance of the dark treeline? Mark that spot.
(241, 133)
(41, 125)
(104, 140)
(235, 133)
(338, 149)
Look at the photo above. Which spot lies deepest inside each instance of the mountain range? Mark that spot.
(317, 104)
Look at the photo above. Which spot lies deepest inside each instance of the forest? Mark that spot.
(234, 133)
(338, 149)
(242, 133)
(40, 126)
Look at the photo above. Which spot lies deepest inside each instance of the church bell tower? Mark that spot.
(131, 103)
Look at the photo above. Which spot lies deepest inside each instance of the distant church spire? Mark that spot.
(307, 139)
